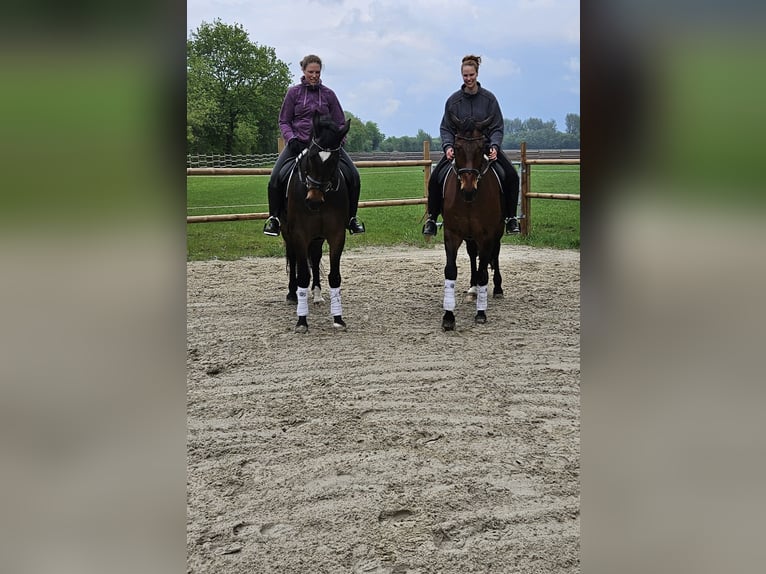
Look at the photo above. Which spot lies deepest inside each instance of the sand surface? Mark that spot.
(392, 447)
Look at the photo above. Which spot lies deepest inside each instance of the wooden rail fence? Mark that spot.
(526, 177)
(526, 181)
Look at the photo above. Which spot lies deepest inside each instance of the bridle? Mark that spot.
(306, 179)
(471, 170)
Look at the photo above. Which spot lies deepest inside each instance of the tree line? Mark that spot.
(235, 87)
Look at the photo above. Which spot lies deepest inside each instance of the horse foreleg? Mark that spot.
(291, 275)
(470, 247)
(450, 276)
(315, 256)
(334, 279)
(482, 278)
(302, 291)
(497, 279)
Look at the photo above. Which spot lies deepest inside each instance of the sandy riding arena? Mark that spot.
(392, 447)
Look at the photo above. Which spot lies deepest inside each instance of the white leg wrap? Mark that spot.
(335, 307)
(481, 298)
(449, 295)
(303, 301)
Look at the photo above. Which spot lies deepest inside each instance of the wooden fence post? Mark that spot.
(526, 220)
(426, 168)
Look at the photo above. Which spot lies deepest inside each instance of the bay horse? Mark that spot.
(317, 211)
(472, 212)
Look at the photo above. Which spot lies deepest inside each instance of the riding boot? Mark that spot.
(434, 207)
(354, 225)
(271, 227)
(511, 196)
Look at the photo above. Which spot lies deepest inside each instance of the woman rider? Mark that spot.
(473, 101)
(298, 107)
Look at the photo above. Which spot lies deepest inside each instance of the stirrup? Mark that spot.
(271, 227)
(355, 226)
(430, 227)
(511, 225)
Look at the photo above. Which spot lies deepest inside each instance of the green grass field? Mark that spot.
(555, 223)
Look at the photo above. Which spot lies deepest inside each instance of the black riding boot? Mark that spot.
(511, 196)
(271, 227)
(354, 225)
(354, 185)
(434, 207)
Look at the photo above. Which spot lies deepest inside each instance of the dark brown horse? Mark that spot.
(472, 212)
(317, 211)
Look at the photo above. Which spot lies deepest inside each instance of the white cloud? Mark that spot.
(394, 62)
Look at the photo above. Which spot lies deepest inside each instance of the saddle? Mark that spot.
(283, 177)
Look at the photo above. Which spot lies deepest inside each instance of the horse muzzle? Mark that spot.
(469, 183)
(314, 198)
(469, 189)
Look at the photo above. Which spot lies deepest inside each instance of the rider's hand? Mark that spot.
(492, 155)
(294, 146)
(450, 153)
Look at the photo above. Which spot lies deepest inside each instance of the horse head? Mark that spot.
(322, 157)
(469, 154)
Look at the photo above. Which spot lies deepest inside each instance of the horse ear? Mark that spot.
(456, 121)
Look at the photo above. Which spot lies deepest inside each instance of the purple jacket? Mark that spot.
(299, 105)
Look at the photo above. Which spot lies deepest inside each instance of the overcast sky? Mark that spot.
(395, 62)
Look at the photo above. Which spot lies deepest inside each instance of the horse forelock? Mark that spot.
(327, 132)
(468, 126)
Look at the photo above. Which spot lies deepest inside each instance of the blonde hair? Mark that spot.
(311, 59)
(471, 60)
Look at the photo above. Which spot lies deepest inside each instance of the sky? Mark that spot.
(396, 62)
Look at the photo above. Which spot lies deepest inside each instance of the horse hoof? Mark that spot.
(302, 325)
(480, 318)
(448, 326)
(291, 298)
(338, 323)
(498, 295)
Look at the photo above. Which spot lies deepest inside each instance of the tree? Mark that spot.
(357, 139)
(373, 131)
(234, 91)
(573, 124)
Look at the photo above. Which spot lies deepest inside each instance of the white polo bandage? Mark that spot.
(481, 298)
(335, 306)
(303, 301)
(449, 295)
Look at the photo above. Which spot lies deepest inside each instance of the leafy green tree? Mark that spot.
(573, 124)
(234, 91)
(357, 139)
(373, 132)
